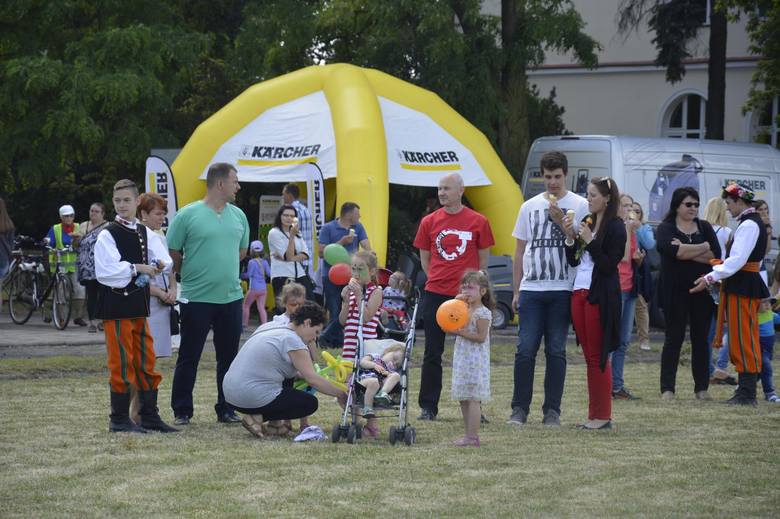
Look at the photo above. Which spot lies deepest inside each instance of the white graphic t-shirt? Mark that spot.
(544, 261)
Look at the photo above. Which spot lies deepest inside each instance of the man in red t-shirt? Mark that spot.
(451, 240)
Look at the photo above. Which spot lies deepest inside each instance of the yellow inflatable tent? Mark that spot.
(363, 128)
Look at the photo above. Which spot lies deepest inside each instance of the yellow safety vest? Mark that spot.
(68, 259)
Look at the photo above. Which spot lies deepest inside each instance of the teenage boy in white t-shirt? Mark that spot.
(542, 282)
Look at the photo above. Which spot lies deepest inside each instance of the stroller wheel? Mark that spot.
(352, 436)
(358, 431)
(336, 434)
(410, 435)
(392, 436)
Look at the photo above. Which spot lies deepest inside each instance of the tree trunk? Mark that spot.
(716, 84)
(513, 128)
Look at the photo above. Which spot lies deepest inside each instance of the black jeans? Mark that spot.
(290, 404)
(91, 288)
(686, 309)
(196, 321)
(430, 379)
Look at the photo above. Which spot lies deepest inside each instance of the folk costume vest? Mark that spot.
(130, 302)
(746, 282)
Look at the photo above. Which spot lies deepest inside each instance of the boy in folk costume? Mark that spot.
(742, 290)
(124, 251)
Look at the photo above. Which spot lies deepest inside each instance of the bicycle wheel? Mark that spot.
(20, 301)
(60, 308)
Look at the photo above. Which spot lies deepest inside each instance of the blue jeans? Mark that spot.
(540, 314)
(333, 333)
(767, 352)
(619, 355)
(196, 321)
(723, 353)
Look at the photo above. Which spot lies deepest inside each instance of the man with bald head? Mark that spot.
(451, 240)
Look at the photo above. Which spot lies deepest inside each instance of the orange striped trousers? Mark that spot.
(742, 317)
(131, 358)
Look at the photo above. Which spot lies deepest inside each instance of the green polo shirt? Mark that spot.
(209, 243)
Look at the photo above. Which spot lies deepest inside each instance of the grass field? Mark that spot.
(686, 458)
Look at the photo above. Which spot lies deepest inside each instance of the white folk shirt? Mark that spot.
(111, 271)
(745, 238)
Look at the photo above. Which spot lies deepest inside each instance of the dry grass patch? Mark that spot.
(681, 459)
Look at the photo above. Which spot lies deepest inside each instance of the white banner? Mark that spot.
(315, 199)
(159, 179)
(420, 152)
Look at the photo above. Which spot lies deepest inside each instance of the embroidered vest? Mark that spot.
(130, 302)
(750, 284)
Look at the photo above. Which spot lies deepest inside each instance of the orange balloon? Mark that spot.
(452, 315)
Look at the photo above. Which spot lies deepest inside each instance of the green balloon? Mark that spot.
(335, 254)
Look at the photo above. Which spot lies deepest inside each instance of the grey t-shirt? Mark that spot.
(255, 377)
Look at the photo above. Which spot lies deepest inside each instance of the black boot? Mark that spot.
(745, 394)
(119, 419)
(150, 415)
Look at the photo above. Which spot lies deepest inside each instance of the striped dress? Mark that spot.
(351, 326)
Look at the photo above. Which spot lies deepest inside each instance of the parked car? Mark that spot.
(499, 271)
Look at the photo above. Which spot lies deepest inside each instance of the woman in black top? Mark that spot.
(686, 245)
(596, 247)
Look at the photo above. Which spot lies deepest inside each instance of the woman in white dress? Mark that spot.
(287, 254)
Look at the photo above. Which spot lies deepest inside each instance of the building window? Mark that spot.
(684, 119)
(765, 129)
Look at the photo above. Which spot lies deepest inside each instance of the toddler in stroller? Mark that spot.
(394, 302)
(379, 375)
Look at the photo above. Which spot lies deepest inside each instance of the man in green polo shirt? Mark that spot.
(207, 240)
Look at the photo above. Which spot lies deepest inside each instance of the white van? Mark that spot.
(650, 169)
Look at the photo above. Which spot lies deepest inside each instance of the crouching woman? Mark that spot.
(596, 247)
(259, 383)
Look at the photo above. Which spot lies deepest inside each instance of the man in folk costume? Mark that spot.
(124, 252)
(742, 290)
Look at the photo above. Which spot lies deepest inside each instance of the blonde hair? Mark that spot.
(481, 279)
(396, 346)
(715, 212)
(402, 283)
(292, 290)
(126, 184)
(369, 258)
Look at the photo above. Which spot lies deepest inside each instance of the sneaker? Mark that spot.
(644, 345)
(427, 414)
(79, 322)
(368, 412)
(772, 398)
(667, 396)
(518, 417)
(623, 394)
(382, 399)
(703, 395)
(552, 419)
(181, 420)
(92, 328)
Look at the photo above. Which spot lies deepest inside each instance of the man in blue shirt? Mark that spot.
(346, 230)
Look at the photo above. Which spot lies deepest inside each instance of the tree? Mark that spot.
(676, 24)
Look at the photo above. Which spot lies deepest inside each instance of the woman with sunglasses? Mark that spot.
(686, 245)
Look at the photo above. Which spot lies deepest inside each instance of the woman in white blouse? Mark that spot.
(288, 250)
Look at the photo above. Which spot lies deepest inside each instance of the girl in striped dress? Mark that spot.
(363, 286)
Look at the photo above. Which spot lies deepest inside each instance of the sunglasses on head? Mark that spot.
(691, 204)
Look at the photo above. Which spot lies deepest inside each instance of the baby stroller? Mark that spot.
(349, 428)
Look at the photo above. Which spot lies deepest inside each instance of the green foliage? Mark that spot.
(88, 87)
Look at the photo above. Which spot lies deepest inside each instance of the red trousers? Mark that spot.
(131, 357)
(587, 324)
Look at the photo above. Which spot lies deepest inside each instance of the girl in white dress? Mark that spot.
(471, 358)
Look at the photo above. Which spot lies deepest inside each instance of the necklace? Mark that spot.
(688, 235)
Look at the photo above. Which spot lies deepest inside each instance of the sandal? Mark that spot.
(373, 432)
(254, 425)
(368, 412)
(466, 442)
(279, 429)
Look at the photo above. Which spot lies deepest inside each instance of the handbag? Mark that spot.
(174, 317)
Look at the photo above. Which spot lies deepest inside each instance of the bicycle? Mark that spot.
(26, 295)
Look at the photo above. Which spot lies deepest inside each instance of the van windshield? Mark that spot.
(587, 159)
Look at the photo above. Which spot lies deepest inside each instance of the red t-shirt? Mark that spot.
(626, 268)
(454, 241)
